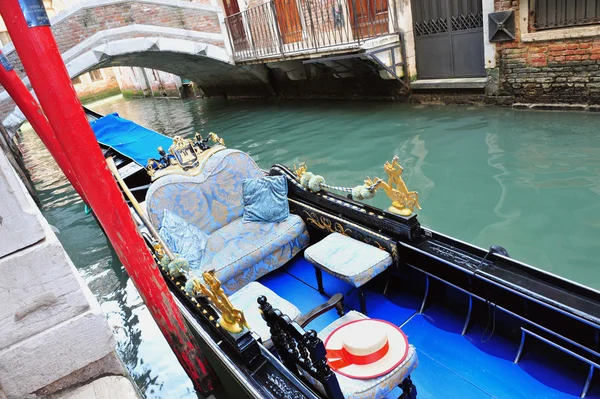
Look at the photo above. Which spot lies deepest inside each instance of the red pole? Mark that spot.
(42, 61)
(34, 114)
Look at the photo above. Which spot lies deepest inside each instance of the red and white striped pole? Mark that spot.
(29, 27)
(33, 112)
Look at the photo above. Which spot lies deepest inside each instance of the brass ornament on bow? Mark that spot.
(185, 156)
(404, 201)
(232, 319)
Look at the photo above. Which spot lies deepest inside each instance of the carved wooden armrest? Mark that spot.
(333, 302)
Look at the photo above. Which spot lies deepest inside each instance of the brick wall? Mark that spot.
(556, 71)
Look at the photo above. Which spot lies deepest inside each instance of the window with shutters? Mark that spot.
(96, 75)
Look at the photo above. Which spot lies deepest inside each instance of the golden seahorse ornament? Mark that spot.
(403, 201)
(232, 319)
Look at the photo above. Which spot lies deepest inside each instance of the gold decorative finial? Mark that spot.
(232, 319)
(215, 138)
(404, 202)
(185, 156)
(300, 170)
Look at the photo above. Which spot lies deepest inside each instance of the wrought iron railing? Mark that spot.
(282, 27)
(549, 14)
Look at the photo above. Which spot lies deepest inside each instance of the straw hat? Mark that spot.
(366, 348)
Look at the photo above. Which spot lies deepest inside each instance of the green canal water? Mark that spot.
(526, 180)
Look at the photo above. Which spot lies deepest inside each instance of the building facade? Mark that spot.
(499, 51)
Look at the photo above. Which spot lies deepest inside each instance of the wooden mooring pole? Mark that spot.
(29, 27)
(15, 87)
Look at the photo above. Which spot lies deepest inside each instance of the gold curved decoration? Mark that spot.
(212, 136)
(232, 319)
(326, 224)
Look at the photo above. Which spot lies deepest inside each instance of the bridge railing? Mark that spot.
(280, 28)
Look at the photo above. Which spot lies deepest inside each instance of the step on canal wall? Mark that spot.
(54, 338)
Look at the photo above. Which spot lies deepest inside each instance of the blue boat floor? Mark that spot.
(450, 365)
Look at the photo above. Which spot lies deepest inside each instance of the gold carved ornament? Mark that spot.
(185, 156)
(404, 201)
(326, 224)
(232, 319)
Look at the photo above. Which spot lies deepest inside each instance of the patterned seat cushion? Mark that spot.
(348, 259)
(243, 252)
(373, 388)
(209, 200)
(213, 202)
(245, 300)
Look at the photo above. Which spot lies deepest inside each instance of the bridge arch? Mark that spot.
(177, 36)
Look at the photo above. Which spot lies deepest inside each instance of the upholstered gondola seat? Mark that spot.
(245, 300)
(238, 252)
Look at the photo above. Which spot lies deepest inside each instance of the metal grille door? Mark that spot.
(448, 38)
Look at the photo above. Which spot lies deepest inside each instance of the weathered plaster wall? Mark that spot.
(53, 334)
(552, 66)
(89, 89)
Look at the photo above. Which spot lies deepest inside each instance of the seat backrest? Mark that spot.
(209, 200)
(300, 349)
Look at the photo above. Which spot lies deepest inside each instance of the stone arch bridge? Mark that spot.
(186, 38)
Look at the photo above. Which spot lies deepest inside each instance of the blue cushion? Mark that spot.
(183, 238)
(265, 199)
(242, 252)
(210, 200)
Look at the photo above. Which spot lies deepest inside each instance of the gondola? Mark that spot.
(476, 323)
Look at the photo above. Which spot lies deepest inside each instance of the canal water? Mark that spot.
(526, 180)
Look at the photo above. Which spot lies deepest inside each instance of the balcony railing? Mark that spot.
(284, 27)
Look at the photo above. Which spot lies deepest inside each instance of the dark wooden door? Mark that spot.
(448, 38)
(235, 24)
(288, 19)
(368, 17)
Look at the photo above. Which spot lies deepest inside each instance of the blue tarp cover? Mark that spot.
(129, 138)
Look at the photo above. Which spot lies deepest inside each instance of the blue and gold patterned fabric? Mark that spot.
(373, 388)
(245, 300)
(348, 259)
(209, 200)
(213, 202)
(183, 238)
(242, 252)
(265, 199)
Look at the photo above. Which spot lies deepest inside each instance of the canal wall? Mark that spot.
(54, 338)
(549, 66)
